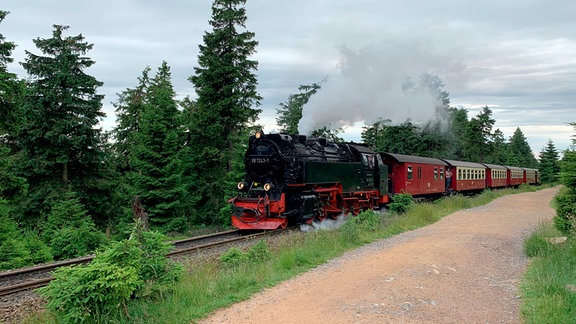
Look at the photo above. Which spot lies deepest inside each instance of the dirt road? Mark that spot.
(462, 269)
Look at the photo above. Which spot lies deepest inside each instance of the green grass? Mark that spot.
(549, 283)
(210, 284)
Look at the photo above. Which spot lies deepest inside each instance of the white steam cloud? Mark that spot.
(370, 87)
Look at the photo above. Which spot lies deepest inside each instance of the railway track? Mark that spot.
(15, 281)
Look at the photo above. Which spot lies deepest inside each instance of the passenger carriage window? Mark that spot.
(441, 173)
(459, 174)
(409, 172)
(435, 173)
(467, 174)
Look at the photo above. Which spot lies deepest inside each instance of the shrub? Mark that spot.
(565, 204)
(70, 231)
(124, 270)
(233, 257)
(259, 252)
(17, 249)
(90, 292)
(401, 203)
(350, 231)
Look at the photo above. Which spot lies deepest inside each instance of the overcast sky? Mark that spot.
(517, 57)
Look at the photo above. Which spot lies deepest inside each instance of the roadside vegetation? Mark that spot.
(239, 273)
(549, 285)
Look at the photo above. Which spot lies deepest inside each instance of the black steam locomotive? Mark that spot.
(297, 179)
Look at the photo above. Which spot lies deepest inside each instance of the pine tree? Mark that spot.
(549, 166)
(226, 87)
(60, 143)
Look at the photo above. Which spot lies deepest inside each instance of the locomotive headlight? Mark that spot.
(259, 134)
(241, 185)
(267, 186)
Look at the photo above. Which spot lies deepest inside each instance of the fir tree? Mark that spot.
(227, 99)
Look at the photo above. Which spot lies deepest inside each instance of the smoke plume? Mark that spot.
(371, 84)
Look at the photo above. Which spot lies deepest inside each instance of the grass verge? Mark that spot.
(549, 285)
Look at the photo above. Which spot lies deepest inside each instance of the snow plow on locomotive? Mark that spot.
(296, 179)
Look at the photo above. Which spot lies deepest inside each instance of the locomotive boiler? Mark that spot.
(291, 179)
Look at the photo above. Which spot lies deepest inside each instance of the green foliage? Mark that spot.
(350, 232)
(368, 220)
(549, 164)
(568, 170)
(233, 257)
(401, 203)
(156, 174)
(90, 293)
(100, 290)
(227, 99)
(565, 200)
(565, 205)
(537, 244)
(260, 252)
(17, 249)
(290, 112)
(519, 151)
(69, 231)
(547, 295)
(59, 141)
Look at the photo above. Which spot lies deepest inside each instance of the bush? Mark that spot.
(17, 249)
(70, 231)
(90, 292)
(350, 232)
(128, 269)
(256, 254)
(401, 203)
(259, 252)
(565, 204)
(233, 257)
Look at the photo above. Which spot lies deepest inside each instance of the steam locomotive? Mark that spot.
(294, 179)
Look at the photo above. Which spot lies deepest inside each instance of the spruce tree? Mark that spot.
(519, 151)
(549, 166)
(290, 112)
(11, 90)
(227, 99)
(60, 143)
(156, 169)
(129, 108)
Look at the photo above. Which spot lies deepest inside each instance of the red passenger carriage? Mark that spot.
(496, 176)
(415, 175)
(467, 176)
(515, 176)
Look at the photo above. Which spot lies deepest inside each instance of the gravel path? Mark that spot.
(463, 269)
